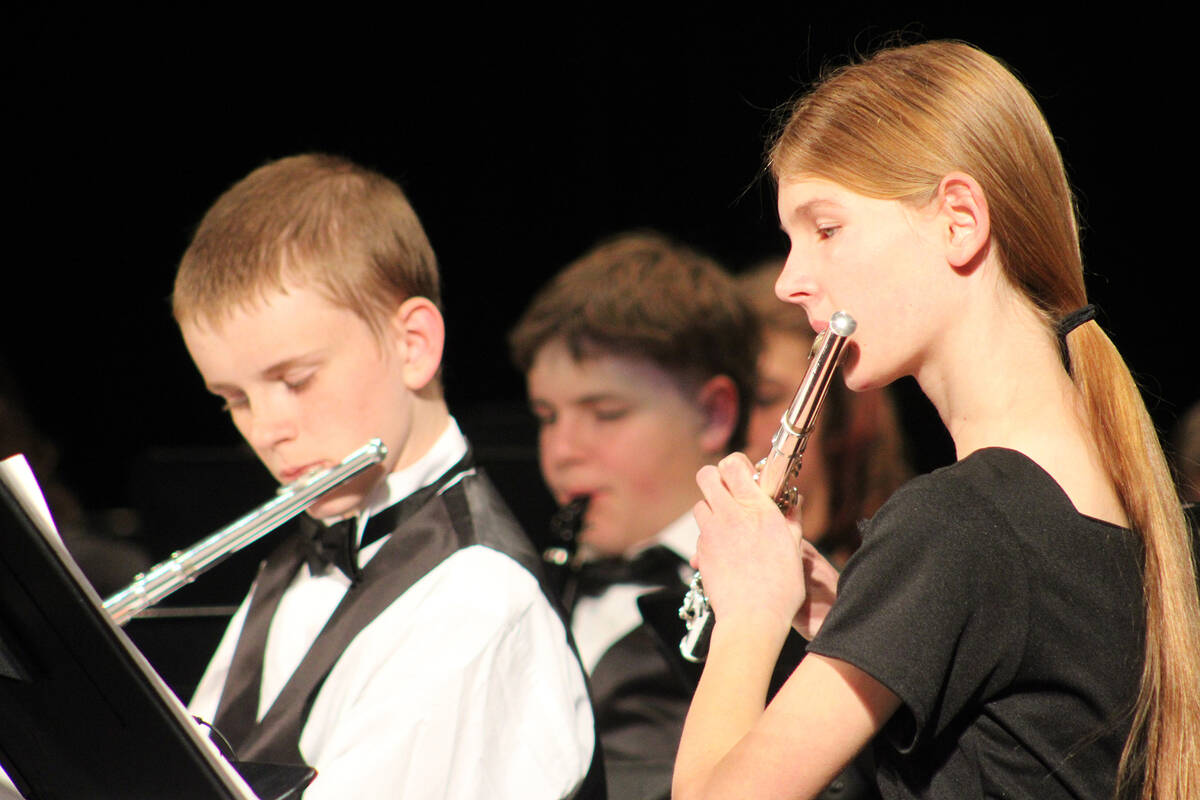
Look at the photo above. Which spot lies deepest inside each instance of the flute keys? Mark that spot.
(695, 602)
(697, 618)
(788, 500)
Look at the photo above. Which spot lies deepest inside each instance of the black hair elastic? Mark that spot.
(1069, 323)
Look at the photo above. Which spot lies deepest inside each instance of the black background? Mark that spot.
(521, 138)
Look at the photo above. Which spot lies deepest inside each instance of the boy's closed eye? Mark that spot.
(232, 401)
(300, 380)
(609, 413)
(546, 416)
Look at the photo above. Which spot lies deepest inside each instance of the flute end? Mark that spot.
(842, 323)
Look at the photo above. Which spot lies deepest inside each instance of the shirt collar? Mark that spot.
(680, 537)
(447, 451)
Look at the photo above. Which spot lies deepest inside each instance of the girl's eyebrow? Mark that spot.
(806, 208)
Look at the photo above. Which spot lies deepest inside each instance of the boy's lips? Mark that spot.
(295, 473)
(570, 495)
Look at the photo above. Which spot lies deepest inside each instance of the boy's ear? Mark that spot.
(420, 334)
(718, 402)
(963, 218)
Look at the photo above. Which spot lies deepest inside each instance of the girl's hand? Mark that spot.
(754, 561)
(820, 580)
(750, 555)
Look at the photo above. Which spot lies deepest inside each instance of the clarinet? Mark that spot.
(777, 472)
(559, 555)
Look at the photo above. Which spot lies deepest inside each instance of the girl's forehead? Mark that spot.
(802, 195)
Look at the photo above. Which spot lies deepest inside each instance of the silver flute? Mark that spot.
(777, 472)
(183, 567)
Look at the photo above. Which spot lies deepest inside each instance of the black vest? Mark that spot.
(433, 527)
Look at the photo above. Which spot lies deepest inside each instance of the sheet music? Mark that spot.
(17, 475)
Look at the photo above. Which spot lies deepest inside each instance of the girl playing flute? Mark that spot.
(1023, 623)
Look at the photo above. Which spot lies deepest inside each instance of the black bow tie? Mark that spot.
(337, 545)
(654, 566)
(332, 546)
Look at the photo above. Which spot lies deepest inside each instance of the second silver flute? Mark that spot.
(777, 472)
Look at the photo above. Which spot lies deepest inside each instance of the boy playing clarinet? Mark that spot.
(639, 359)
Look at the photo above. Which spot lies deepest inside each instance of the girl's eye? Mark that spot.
(827, 231)
(610, 414)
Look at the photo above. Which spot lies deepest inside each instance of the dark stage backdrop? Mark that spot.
(521, 139)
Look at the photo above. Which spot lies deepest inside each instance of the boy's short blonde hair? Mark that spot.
(307, 220)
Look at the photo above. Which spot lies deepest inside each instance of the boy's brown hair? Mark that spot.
(640, 294)
(314, 220)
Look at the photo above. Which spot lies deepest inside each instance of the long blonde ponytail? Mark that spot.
(1164, 744)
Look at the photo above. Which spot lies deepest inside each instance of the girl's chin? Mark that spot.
(859, 379)
(853, 379)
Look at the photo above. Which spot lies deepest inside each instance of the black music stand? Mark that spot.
(82, 714)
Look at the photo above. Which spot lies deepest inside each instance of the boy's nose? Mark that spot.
(270, 427)
(562, 443)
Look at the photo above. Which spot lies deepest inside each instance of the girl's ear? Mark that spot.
(420, 335)
(963, 218)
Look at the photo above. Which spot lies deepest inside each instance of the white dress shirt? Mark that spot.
(464, 687)
(600, 622)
